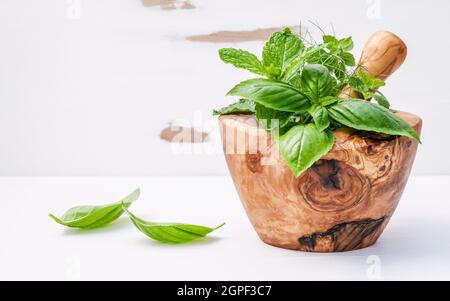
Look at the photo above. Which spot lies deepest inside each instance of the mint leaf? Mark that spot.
(90, 217)
(346, 44)
(343, 45)
(316, 82)
(320, 117)
(369, 81)
(381, 99)
(357, 84)
(242, 59)
(348, 59)
(170, 232)
(365, 84)
(272, 94)
(244, 106)
(280, 51)
(367, 116)
(330, 40)
(303, 145)
(334, 54)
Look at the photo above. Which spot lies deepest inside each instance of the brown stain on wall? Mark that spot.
(260, 34)
(169, 4)
(180, 134)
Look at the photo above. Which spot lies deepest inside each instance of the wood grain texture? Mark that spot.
(343, 202)
(382, 55)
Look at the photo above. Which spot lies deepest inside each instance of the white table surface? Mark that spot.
(415, 245)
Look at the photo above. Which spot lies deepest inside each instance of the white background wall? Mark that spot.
(88, 94)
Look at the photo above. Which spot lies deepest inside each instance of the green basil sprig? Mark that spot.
(170, 232)
(90, 217)
(299, 96)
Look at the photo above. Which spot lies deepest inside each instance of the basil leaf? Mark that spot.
(244, 106)
(320, 117)
(280, 51)
(303, 145)
(272, 94)
(367, 116)
(381, 99)
(317, 82)
(242, 59)
(170, 232)
(90, 217)
(272, 119)
(328, 100)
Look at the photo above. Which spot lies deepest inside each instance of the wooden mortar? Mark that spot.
(343, 202)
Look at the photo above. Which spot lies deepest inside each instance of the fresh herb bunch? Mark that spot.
(298, 97)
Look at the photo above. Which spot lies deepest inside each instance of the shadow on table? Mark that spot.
(402, 243)
(208, 240)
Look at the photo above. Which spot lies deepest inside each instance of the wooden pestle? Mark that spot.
(382, 55)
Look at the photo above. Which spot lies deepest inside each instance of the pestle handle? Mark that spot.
(383, 53)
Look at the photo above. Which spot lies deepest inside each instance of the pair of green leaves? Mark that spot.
(91, 217)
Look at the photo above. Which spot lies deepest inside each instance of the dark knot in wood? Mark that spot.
(331, 185)
(342, 237)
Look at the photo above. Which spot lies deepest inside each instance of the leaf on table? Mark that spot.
(170, 232)
(90, 217)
